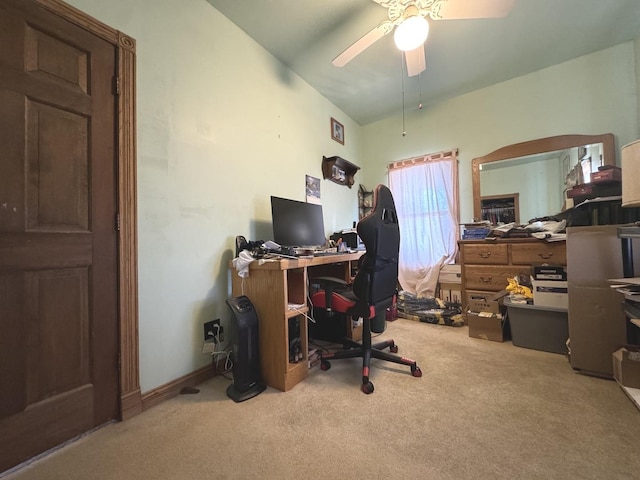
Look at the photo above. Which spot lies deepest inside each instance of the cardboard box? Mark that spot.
(626, 366)
(487, 326)
(483, 302)
(597, 325)
(450, 292)
(550, 293)
(596, 328)
(451, 273)
(549, 272)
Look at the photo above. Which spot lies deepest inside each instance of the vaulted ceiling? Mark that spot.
(461, 55)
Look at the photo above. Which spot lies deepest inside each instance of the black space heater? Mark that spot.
(246, 360)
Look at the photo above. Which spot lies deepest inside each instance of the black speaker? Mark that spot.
(246, 360)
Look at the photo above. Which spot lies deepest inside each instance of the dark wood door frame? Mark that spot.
(130, 397)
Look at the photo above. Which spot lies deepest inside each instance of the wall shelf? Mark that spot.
(365, 201)
(339, 170)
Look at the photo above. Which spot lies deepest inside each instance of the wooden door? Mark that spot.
(58, 245)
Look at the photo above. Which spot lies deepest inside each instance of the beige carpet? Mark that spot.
(482, 410)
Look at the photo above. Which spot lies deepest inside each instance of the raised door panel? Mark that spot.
(57, 186)
(58, 332)
(56, 60)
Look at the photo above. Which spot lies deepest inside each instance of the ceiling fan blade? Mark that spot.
(460, 9)
(416, 62)
(363, 43)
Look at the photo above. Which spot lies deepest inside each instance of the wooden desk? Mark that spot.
(279, 290)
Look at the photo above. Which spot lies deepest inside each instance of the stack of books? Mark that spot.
(518, 232)
(476, 230)
(313, 357)
(502, 231)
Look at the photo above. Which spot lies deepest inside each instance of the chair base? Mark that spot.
(367, 351)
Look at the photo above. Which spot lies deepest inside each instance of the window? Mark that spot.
(425, 190)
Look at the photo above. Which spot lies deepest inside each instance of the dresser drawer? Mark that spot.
(491, 278)
(488, 253)
(539, 252)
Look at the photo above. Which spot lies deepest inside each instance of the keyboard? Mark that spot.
(315, 253)
(323, 254)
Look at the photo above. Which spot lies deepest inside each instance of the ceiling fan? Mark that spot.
(411, 27)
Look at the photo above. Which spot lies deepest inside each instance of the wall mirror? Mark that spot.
(529, 180)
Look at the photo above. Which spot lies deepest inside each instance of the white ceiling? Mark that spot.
(462, 55)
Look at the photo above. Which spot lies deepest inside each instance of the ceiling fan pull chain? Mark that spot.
(404, 132)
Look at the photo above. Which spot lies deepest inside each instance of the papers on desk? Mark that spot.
(619, 282)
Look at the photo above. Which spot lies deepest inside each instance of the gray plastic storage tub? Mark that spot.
(539, 328)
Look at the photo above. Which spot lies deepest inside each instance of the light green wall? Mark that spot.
(222, 125)
(593, 94)
(636, 51)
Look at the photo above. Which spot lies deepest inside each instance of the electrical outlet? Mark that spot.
(210, 330)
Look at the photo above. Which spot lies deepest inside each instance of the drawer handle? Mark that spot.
(546, 256)
(486, 279)
(485, 254)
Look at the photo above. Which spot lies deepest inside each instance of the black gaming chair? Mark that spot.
(372, 291)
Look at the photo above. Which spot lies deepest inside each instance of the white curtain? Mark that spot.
(425, 190)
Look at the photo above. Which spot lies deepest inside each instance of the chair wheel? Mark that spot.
(367, 388)
(393, 348)
(415, 371)
(325, 365)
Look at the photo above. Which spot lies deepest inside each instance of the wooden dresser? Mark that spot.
(486, 265)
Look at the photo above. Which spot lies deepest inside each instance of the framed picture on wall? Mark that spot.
(312, 188)
(338, 174)
(337, 131)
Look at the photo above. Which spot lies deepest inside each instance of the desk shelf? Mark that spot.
(271, 287)
(296, 312)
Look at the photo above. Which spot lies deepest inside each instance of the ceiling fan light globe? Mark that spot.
(411, 33)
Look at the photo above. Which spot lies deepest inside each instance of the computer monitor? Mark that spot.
(297, 224)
